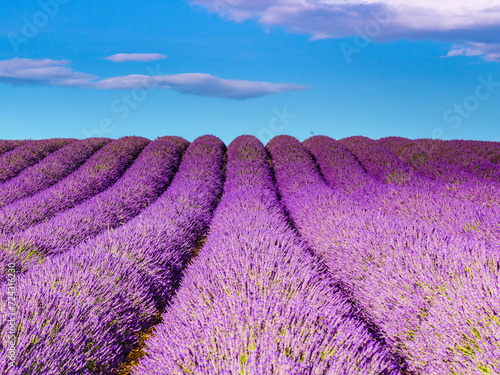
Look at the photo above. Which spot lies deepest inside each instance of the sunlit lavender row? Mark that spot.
(142, 183)
(351, 256)
(98, 173)
(81, 310)
(27, 154)
(405, 274)
(50, 170)
(269, 308)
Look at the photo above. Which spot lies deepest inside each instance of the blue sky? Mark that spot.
(419, 69)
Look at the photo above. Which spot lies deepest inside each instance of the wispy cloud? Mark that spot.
(57, 73)
(490, 52)
(122, 57)
(199, 84)
(48, 72)
(475, 21)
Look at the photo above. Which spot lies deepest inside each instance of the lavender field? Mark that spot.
(351, 256)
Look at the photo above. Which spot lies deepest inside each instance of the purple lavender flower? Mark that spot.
(81, 311)
(27, 154)
(141, 184)
(255, 300)
(8, 145)
(101, 171)
(431, 293)
(49, 170)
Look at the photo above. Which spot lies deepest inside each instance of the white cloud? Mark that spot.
(445, 20)
(41, 72)
(198, 84)
(58, 73)
(410, 14)
(490, 52)
(121, 57)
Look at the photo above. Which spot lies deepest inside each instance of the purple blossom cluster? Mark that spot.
(459, 154)
(80, 312)
(8, 145)
(433, 294)
(50, 170)
(97, 174)
(378, 161)
(467, 209)
(255, 300)
(352, 256)
(338, 166)
(141, 184)
(414, 196)
(421, 159)
(27, 154)
(342, 170)
(487, 150)
(467, 180)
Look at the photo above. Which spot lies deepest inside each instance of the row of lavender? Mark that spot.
(100, 171)
(434, 292)
(9, 145)
(406, 277)
(80, 311)
(142, 183)
(255, 300)
(458, 165)
(15, 159)
(49, 170)
(480, 159)
(34, 235)
(388, 185)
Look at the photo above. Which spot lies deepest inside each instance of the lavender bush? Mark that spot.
(102, 170)
(27, 154)
(141, 184)
(459, 154)
(50, 170)
(408, 276)
(461, 182)
(487, 150)
(80, 311)
(410, 194)
(255, 300)
(8, 145)
(327, 257)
